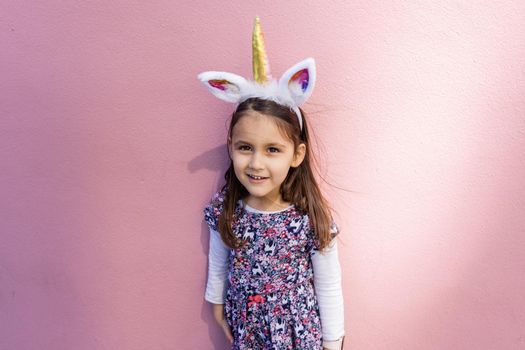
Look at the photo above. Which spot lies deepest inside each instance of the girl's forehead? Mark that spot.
(260, 127)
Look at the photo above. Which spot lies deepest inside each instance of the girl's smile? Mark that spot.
(256, 179)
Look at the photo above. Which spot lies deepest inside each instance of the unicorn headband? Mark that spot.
(292, 90)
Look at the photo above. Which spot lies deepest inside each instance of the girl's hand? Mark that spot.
(218, 314)
(227, 331)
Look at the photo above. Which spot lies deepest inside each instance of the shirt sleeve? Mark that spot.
(328, 288)
(217, 269)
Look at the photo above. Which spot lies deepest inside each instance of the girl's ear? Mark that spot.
(299, 80)
(299, 155)
(226, 86)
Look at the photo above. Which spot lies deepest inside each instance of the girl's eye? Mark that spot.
(244, 148)
(273, 150)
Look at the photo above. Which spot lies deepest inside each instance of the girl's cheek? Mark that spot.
(240, 159)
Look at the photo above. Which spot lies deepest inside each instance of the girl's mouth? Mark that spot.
(254, 178)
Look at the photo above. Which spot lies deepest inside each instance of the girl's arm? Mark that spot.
(216, 285)
(217, 269)
(327, 281)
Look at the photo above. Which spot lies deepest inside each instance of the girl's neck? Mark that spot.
(264, 204)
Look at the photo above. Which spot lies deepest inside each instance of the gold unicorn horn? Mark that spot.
(261, 67)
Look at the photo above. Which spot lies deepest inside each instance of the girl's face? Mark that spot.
(261, 157)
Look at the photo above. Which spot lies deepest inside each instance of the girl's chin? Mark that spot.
(257, 194)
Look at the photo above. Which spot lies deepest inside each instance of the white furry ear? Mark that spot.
(226, 86)
(299, 80)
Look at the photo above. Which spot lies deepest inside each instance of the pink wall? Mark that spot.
(110, 148)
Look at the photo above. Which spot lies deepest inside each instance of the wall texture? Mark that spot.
(110, 148)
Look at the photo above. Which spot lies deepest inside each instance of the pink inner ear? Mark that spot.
(301, 78)
(219, 84)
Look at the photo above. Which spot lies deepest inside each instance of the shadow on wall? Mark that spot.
(216, 160)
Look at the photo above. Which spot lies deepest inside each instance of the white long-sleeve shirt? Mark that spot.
(327, 282)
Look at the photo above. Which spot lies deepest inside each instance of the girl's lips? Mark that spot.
(256, 179)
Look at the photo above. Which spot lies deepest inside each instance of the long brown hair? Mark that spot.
(300, 186)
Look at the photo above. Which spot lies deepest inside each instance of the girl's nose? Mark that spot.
(256, 161)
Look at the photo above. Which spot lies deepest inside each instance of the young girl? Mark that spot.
(274, 277)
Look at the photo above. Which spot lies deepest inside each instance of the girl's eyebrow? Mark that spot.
(240, 142)
(275, 144)
(272, 144)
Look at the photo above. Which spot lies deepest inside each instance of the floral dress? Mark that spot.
(270, 301)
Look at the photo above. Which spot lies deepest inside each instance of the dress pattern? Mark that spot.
(270, 301)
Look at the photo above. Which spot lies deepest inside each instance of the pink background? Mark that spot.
(110, 148)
